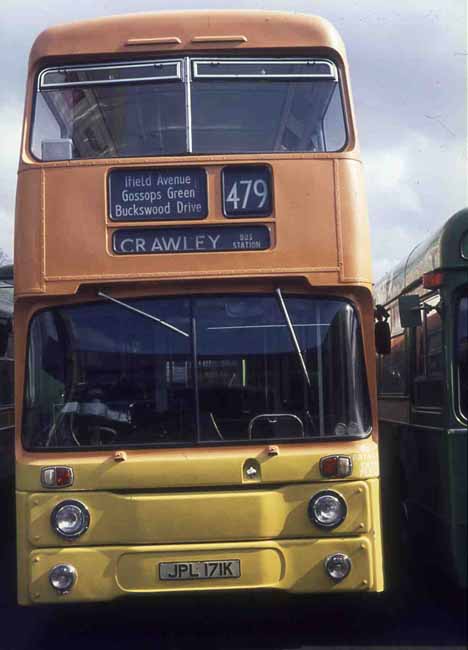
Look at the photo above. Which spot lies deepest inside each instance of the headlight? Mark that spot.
(70, 519)
(337, 566)
(327, 509)
(62, 577)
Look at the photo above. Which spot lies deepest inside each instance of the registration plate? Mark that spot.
(206, 570)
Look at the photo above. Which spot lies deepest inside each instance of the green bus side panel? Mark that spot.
(457, 449)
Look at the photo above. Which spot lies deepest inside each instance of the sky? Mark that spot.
(408, 62)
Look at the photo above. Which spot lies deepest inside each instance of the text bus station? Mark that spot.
(195, 358)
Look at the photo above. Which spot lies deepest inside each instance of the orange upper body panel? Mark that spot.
(318, 227)
(182, 31)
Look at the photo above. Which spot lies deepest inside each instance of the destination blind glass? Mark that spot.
(210, 239)
(247, 191)
(143, 108)
(195, 370)
(157, 194)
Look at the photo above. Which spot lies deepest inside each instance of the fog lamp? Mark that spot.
(62, 577)
(337, 566)
(327, 509)
(70, 519)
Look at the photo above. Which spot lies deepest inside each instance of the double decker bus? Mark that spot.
(423, 398)
(194, 326)
(6, 379)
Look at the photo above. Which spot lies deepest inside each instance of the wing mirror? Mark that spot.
(382, 330)
(410, 311)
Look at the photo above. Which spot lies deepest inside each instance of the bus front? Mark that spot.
(194, 323)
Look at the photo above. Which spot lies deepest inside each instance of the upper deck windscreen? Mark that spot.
(184, 106)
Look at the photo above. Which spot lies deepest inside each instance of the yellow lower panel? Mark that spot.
(260, 567)
(106, 573)
(198, 516)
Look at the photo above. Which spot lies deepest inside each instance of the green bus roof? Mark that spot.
(441, 250)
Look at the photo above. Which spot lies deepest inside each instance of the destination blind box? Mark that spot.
(157, 194)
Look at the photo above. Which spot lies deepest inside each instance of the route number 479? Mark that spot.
(247, 191)
(248, 194)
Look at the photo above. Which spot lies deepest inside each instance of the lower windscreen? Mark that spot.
(195, 370)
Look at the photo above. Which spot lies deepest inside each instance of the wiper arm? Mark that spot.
(293, 335)
(143, 313)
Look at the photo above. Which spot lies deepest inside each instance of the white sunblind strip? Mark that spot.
(110, 74)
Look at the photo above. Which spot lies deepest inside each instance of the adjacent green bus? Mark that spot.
(423, 396)
(6, 376)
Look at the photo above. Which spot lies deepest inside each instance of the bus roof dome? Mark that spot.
(170, 32)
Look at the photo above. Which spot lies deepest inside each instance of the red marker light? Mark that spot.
(328, 466)
(433, 279)
(63, 476)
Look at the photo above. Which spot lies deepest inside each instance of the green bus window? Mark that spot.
(393, 378)
(6, 374)
(6, 353)
(429, 360)
(462, 354)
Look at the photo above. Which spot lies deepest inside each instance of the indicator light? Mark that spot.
(56, 477)
(433, 279)
(336, 466)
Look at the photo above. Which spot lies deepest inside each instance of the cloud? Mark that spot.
(408, 201)
(387, 171)
(408, 76)
(10, 134)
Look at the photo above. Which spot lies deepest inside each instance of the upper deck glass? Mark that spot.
(188, 106)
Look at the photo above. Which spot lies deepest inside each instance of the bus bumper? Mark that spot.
(108, 573)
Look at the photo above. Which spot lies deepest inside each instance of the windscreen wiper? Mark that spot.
(293, 335)
(143, 313)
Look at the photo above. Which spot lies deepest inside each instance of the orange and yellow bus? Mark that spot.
(195, 376)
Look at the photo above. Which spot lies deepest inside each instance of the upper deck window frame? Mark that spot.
(196, 62)
(42, 85)
(188, 73)
(182, 72)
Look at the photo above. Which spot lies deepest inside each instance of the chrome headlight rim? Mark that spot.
(335, 523)
(84, 512)
(72, 574)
